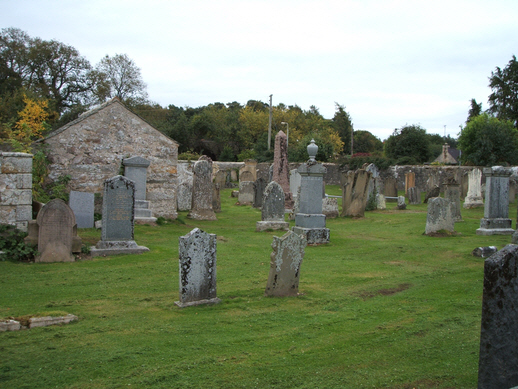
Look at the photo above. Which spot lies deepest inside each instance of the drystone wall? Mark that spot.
(16, 189)
(91, 150)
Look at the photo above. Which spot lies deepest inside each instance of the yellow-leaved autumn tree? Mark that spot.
(30, 125)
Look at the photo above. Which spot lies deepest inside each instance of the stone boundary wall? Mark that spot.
(16, 189)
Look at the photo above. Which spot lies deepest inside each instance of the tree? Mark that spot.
(488, 141)
(409, 144)
(365, 142)
(119, 76)
(474, 111)
(343, 126)
(503, 101)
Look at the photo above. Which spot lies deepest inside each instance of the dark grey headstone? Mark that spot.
(82, 204)
(135, 169)
(498, 360)
(118, 209)
(197, 264)
(259, 187)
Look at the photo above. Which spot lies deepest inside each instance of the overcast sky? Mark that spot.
(390, 63)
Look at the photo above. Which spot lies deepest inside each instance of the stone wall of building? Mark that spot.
(91, 149)
(16, 189)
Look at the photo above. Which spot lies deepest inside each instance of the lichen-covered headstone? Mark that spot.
(452, 193)
(216, 199)
(246, 192)
(381, 202)
(117, 231)
(259, 187)
(184, 196)
(432, 192)
(354, 193)
(272, 212)
(285, 262)
(414, 196)
(197, 268)
(498, 357)
(56, 223)
(401, 205)
(201, 208)
(281, 173)
(439, 216)
(330, 207)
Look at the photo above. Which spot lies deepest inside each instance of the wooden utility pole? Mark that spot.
(270, 124)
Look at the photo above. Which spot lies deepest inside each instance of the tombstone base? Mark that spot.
(306, 220)
(475, 202)
(203, 214)
(271, 225)
(214, 300)
(495, 226)
(104, 248)
(58, 253)
(313, 235)
(145, 220)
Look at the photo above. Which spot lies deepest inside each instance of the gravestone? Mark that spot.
(401, 203)
(184, 196)
(197, 267)
(496, 207)
(57, 225)
(452, 193)
(216, 200)
(82, 204)
(221, 178)
(414, 195)
(285, 262)
(498, 357)
(117, 232)
(381, 203)
(310, 222)
(294, 182)
(330, 207)
(246, 192)
(281, 169)
(296, 206)
(354, 193)
(201, 208)
(250, 166)
(135, 169)
(512, 191)
(439, 216)
(246, 176)
(272, 212)
(259, 187)
(374, 183)
(390, 188)
(484, 252)
(409, 181)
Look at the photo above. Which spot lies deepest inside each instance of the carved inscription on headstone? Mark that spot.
(118, 208)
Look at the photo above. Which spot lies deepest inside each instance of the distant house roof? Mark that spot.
(448, 156)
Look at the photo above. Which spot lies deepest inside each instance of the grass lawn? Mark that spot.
(380, 306)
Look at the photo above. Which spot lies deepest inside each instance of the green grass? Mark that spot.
(381, 306)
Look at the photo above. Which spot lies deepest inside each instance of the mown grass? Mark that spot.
(381, 306)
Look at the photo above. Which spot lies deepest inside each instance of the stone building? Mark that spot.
(91, 148)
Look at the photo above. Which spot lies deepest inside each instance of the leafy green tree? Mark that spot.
(120, 76)
(474, 110)
(343, 125)
(503, 101)
(365, 142)
(488, 141)
(408, 144)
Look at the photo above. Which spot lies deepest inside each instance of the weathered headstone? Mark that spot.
(184, 196)
(401, 203)
(330, 207)
(82, 204)
(221, 178)
(381, 203)
(512, 191)
(440, 216)
(452, 193)
(259, 187)
(281, 169)
(390, 188)
(249, 166)
(474, 197)
(432, 192)
(496, 207)
(135, 169)
(246, 176)
(354, 193)
(498, 357)
(409, 181)
(414, 195)
(216, 200)
(56, 223)
(484, 252)
(374, 183)
(310, 222)
(197, 267)
(272, 212)
(246, 192)
(294, 182)
(201, 208)
(285, 262)
(117, 232)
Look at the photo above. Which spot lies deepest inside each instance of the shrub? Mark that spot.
(13, 245)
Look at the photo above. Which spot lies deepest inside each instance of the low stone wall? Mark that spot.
(16, 189)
